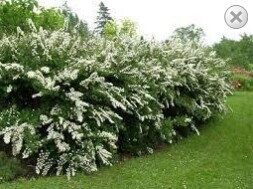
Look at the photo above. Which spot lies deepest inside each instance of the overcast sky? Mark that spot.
(158, 18)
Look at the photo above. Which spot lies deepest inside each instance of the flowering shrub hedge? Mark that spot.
(72, 104)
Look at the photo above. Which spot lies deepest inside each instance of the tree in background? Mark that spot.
(128, 27)
(74, 22)
(102, 18)
(239, 52)
(190, 33)
(15, 13)
(49, 19)
(113, 28)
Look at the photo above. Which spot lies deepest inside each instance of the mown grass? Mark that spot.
(220, 158)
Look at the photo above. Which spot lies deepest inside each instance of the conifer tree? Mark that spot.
(74, 21)
(102, 18)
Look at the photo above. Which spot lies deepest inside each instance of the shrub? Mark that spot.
(71, 104)
(242, 82)
(241, 78)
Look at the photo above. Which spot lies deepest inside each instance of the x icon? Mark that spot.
(236, 17)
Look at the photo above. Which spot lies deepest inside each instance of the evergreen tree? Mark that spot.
(102, 18)
(74, 22)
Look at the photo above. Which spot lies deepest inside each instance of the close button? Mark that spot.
(236, 16)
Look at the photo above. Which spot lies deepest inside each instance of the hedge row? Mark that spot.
(72, 105)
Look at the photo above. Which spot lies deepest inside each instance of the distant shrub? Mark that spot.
(72, 104)
(242, 82)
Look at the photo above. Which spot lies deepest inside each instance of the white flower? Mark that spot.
(7, 138)
(195, 129)
(19, 31)
(45, 120)
(37, 95)
(12, 66)
(109, 136)
(187, 120)
(31, 74)
(150, 150)
(104, 155)
(62, 146)
(9, 89)
(15, 134)
(45, 69)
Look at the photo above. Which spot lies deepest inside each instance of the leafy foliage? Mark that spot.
(10, 168)
(15, 13)
(113, 29)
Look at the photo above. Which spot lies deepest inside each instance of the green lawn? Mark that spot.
(220, 158)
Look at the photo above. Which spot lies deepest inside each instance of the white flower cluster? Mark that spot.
(44, 163)
(15, 135)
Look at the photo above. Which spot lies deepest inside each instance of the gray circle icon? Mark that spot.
(236, 17)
